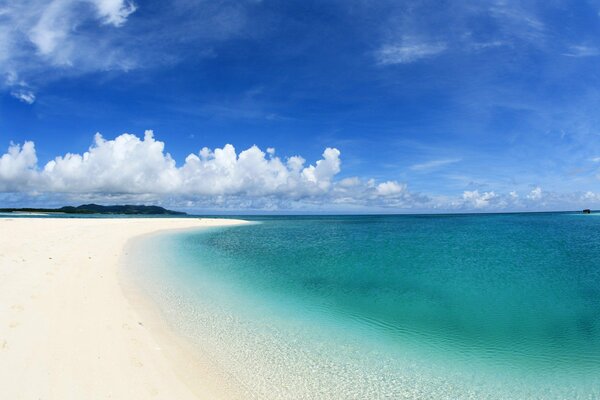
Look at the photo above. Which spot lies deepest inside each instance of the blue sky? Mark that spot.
(431, 105)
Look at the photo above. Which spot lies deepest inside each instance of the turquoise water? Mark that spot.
(464, 306)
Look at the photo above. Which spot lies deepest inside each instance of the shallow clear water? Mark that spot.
(463, 306)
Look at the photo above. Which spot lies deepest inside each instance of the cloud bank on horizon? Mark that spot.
(139, 169)
(131, 168)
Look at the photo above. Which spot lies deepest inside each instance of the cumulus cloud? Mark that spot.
(591, 197)
(114, 12)
(533, 200)
(390, 188)
(367, 193)
(123, 165)
(478, 200)
(535, 193)
(131, 167)
(17, 167)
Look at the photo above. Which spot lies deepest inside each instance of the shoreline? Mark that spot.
(195, 367)
(71, 327)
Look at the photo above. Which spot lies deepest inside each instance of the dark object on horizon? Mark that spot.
(587, 211)
(97, 209)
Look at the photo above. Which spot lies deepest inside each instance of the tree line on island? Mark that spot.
(98, 209)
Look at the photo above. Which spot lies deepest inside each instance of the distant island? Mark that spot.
(98, 209)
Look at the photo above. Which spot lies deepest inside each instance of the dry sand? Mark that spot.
(67, 328)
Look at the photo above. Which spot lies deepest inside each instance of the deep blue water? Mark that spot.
(456, 306)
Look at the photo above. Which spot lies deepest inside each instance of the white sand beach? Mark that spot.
(67, 328)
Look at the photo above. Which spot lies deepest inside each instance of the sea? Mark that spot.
(469, 306)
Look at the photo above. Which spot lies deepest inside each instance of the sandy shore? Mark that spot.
(67, 329)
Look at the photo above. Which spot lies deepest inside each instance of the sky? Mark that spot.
(301, 106)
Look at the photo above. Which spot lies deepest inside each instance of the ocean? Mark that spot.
(480, 306)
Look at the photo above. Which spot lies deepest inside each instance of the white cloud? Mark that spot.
(368, 193)
(535, 194)
(38, 36)
(582, 51)
(114, 12)
(45, 40)
(324, 170)
(591, 197)
(123, 165)
(55, 24)
(477, 46)
(26, 96)
(349, 182)
(478, 200)
(138, 169)
(390, 188)
(423, 30)
(408, 51)
(17, 167)
(253, 173)
(129, 164)
(433, 164)
(129, 168)
(535, 200)
(132, 165)
(518, 21)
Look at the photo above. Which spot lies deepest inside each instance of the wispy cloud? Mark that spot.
(41, 38)
(478, 46)
(45, 40)
(433, 164)
(26, 96)
(415, 33)
(517, 21)
(408, 52)
(582, 51)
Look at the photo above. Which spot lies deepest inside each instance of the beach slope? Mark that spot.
(67, 330)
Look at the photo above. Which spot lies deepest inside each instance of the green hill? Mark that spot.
(98, 209)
